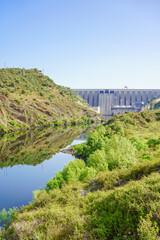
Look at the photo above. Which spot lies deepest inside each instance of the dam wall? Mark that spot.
(109, 102)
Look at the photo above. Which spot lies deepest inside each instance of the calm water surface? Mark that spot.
(29, 160)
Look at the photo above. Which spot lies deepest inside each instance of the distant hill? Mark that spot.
(28, 98)
(154, 103)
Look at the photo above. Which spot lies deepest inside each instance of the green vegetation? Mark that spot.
(6, 216)
(154, 103)
(29, 99)
(115, 195)
(147, 229)
(157, 105)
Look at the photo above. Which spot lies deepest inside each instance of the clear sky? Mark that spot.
(84, 43)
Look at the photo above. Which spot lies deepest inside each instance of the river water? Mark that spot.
(29, 159)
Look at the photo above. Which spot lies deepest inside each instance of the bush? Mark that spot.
(6, 93)
(116, 214)
(120, 152)
(97, 160)
(139, 143)
(115, 128)
(1, 85)
(120, 177)
(13, 122)
(41, 94)
(82, 150)
(75, 170)
(152, 142)
(129, 120)
(6, 216)
(147, 230)
(96, 138)
(17, 101)
(51, 96)
(58, 122)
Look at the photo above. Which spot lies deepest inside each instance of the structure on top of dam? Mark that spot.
(108, 102)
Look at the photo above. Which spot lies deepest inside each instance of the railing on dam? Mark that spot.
(111, 101)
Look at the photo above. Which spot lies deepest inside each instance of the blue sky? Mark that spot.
(84, 43)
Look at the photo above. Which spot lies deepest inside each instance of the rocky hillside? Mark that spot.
(28, 98)
(153, 103)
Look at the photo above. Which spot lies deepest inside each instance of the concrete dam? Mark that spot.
(109, 102)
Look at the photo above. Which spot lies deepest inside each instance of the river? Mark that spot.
(29, 159)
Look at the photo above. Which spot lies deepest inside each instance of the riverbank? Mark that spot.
(60, 123)
(115, 196)
(68, 150)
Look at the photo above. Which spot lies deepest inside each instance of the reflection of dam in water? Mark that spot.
(108, 102)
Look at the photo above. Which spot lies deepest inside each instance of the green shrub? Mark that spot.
(58, 122)
(97, 160)
(116, 214)
(51, 96)
(120, 152)
(147, 229)
(120, 177)
(13, 122)
(1, 85)
(145, 158)
(139, 143)
(75, 170)
(6, 93)
(129, 120)
(6, 216)
(2, 128)
(82, 150)
(152, 142)
(115, 128)
(17, 101)
(73, 121)
(47, 103)
(41, 94)
(96, 138)
(117, 151)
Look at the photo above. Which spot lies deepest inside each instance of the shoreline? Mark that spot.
(45, 126)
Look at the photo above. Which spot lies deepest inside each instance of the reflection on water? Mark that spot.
(29, 160)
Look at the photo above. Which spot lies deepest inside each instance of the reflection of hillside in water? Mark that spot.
(33, 147)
